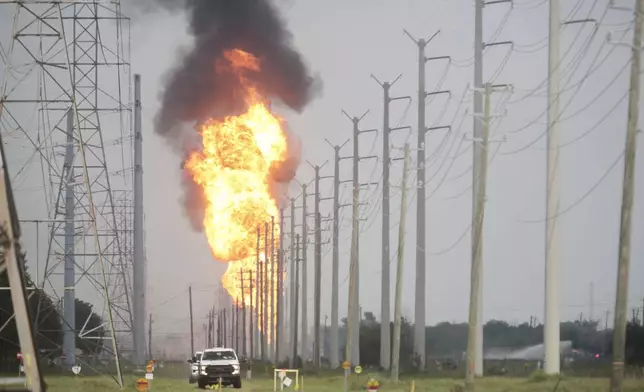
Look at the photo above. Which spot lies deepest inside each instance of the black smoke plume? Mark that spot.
(194, 91)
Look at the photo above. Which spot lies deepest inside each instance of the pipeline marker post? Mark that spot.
(149, 374)
(358, 370)
(284, 380)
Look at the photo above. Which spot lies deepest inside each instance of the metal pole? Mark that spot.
(225, 329)
(208, 329)
(621, 301)
(258, 291)
(292, 324)
(213, 315)
(326, 333)
(385, 307)
(192, 333)
(385, 333)
(591, 315)
(243, 307)
(305, 278)
(421, 292)
(280, 290)
(395, 361)
(150, 338)
(250, 314)
(69, 297)
(477, 134)
(293, 360)
(553, 245)
(318, 272)
(271, 286)
(353, 319)
(477, 246)
(234, 336)
(139, 266)
(262, 303)
(335, 341)
(218, 329)
(265, 326)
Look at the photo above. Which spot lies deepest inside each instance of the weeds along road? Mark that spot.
(335, 384)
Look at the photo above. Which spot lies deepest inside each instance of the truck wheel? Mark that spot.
(201, 384)
(237, 384)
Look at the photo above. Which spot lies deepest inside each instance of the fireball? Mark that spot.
(234, 168)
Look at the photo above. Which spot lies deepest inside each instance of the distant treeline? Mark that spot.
(449, 340)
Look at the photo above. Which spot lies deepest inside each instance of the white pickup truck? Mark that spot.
(217, 364)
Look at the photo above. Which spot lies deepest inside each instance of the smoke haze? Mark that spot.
(194, 91)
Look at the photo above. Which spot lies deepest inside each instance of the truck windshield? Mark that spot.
(218, 355)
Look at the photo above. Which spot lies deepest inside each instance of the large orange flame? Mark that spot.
(234, 171)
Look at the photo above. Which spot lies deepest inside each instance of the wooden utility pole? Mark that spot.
(395, 356)
(621, 301)
(192, 332)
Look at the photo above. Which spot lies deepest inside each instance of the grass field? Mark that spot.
(335, 384)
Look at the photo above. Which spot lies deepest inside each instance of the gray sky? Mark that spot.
(347, 41)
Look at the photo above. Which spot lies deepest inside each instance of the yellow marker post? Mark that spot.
(358, 370)
(142, 385)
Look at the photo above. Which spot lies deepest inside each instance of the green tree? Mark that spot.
(48, 324)
(48, 332)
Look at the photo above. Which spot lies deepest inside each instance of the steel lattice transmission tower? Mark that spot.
(66, 113)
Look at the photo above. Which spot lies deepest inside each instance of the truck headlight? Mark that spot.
(235, 369)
